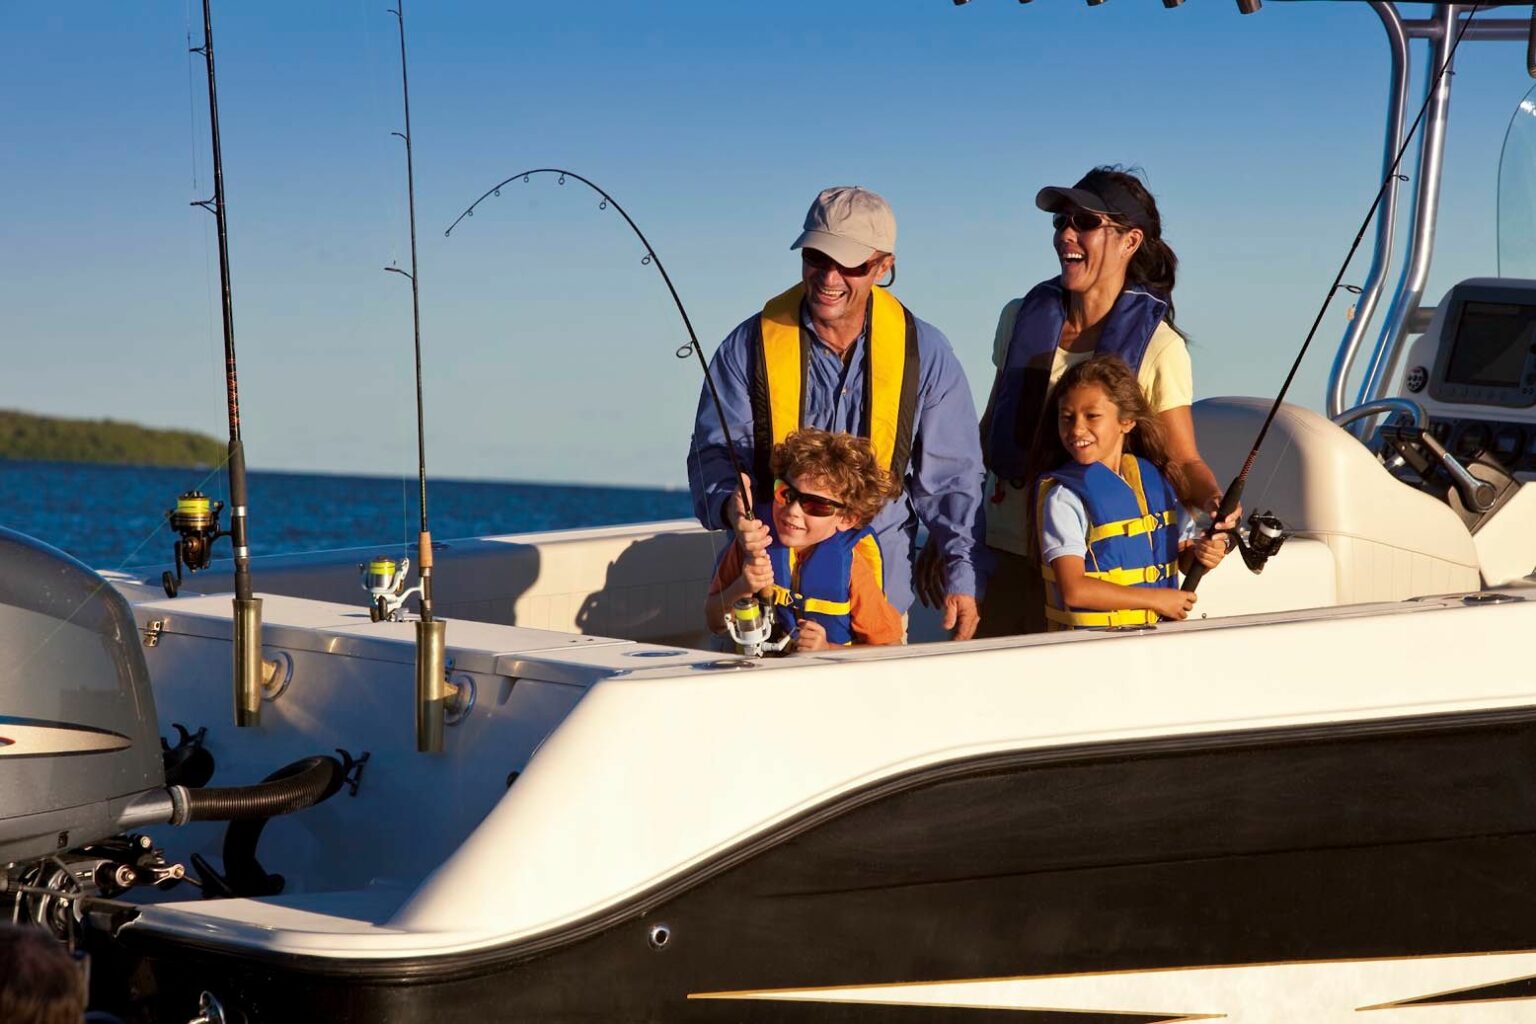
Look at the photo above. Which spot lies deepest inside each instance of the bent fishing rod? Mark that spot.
(195, 518)
(1234, 492)
(649, 259)
(433, 691)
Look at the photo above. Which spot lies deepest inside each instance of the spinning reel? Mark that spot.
(384, 579)
(196, 522)
(751, 624)
(1265, 535)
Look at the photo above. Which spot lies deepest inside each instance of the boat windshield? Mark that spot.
(1517, 193)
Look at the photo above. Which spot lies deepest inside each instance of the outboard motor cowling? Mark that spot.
(79, 740)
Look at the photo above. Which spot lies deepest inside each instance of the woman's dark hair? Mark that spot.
(1154, 266)
(1148, 440)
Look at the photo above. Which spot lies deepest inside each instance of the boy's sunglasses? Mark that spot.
(1082, 221)
(810, 504)
(821, 261)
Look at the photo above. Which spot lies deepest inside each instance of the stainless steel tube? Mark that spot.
(1421, 236)
(1386, 216)
(247, 661)
(431, 684)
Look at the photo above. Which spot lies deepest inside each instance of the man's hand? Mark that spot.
(812, 637)
(961, 616)
(1213, 505)
(928, 575)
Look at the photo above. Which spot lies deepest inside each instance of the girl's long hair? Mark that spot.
(1146, 440)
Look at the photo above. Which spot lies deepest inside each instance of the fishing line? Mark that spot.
(649, 259)
(1233, 495)
(389, 214)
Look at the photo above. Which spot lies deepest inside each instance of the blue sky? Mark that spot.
(549, 346)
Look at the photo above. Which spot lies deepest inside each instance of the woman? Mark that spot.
(1114, 296)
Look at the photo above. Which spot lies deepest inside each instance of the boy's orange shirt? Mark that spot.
(874, 620)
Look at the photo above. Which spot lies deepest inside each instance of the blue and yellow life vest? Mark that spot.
(782, 360)
(1133, 536)
(816, 585)
(1018, 404)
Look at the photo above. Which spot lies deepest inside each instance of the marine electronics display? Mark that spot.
(1489, 357)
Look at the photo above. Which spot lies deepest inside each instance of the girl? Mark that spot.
(1111, 529)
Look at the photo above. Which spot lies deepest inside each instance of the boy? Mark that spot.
(813, 544)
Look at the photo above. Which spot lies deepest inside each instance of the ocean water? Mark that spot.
(114, 516)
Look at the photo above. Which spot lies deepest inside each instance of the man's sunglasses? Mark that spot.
(1082, 221)
(821, 261)
(811, 504)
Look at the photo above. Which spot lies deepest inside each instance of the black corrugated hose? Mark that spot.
(294, 787)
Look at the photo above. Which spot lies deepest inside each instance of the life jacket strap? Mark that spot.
(1133, 527)
(782, 595)
(1124, 577)
(1101, 620)
(821, 607)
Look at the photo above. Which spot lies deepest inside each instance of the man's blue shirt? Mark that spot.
(944, 479)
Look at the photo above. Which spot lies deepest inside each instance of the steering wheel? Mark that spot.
(1403, 435)
(1403, 407)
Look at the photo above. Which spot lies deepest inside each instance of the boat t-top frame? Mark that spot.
(1405, 311)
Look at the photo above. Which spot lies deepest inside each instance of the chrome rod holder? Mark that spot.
(248, 667)
(433, 691)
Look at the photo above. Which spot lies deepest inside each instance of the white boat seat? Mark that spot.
(1389, 541)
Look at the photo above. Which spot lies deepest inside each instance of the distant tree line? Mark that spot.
(49, 438)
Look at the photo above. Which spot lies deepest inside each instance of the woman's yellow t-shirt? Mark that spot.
(1166, 376)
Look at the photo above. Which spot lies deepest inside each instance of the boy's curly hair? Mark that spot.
(845, 462)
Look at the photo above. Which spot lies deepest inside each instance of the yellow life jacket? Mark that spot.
(891, 372)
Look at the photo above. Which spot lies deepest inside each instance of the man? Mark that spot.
(838, 353)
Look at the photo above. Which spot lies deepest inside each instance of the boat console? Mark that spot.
(1474, 373)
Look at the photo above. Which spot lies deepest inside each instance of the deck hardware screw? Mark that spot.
(660, 935)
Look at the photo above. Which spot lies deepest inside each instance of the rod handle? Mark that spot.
(1229, 503)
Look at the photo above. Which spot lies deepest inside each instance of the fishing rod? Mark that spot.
(650, 258)
(433, 691)
(196, 517)
(749, 625)
(1266, 528)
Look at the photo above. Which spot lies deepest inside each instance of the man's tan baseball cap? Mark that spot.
(849, 224)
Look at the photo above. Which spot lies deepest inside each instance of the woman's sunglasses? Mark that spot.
(821, 261)
(1081, 220)
(811, 504)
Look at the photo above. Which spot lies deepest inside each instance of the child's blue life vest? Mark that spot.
(1023, 380)
(1133, 536)
(823, 574)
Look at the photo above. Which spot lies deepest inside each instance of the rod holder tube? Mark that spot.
(432, 689)
(248, 661)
